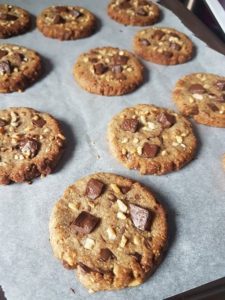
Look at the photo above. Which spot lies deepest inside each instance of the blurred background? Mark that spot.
(211, 12)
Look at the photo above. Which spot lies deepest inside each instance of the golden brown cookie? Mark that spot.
(134, 12)
(162, 45)
(151, 139)
(202, 96)
(66, 22)
(31, 144)
(13, 20)
(108, 71)
(109, 228)
(19, 67)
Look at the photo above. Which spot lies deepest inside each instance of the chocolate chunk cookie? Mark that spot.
(108, 71)
(109, 228)
(134, 12)
(165, 46)
(19, 67)
(151, 139)
(31, 144)
(66, 22)
(202, 96)
(13, 20)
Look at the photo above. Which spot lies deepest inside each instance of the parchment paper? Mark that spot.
(194, 196)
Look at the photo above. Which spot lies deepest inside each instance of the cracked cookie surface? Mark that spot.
(19, 67)
(134, 12)
(13, 20)
(202, 96)
(31, 144)
(151, 139)
(163, 45)
(108, 71)
(111, 229)
(66, 22)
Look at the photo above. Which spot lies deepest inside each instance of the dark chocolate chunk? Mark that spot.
(140, 216)
(167, 54)
(5, 67)
(124, 189)
(130, 125)
(150, 150)
(120, 59)
(75, 13)
(220, 84)
(175, 46)
(145, 42)
(158, 34)
(213, 107)
(84, 267)
(141, 12)
(3, 53)
(100, 69)
(220, 98)
(2, 123)
(137, 256)
(60, 9)
(166, 119)
(57, 19)
(29, 147)
(16, 58)
(94, 188)
(125, 4)
(85, 223)
(93, 60)
(106, 254)
(196, 88)
(117, 69)
(7, 17)
(39, 122)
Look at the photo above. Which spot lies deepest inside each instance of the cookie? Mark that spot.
(202, 96)
(165, 46)
(13, 20)
(31, 144)
(19, 67)
(108, 71)
(151, 139)
(66, 22)
(109, 228)
(134, 12)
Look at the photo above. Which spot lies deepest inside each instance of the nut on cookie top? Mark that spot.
(134, 12)
(163, 45)
(108, 70)
(151, 139)
(111, 229)
(31, 144)
(13, 20)
(202, 95)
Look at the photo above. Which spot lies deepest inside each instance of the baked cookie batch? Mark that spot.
(108, 228)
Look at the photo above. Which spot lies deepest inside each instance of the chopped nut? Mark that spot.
(139, 150)
(164, 152)
(88, 243)
(197, 96)
(123, 241)
(121, 216)
(121, 205)
(124, 151)
(191, 100)
(174, 144)
(111, 233)
(124, 140)
(151, 125)
(179, 139)
(135, 140)
(115, 188)
(135, 282)
(143, 119)
(72, 206)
